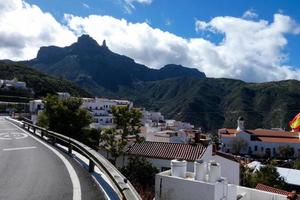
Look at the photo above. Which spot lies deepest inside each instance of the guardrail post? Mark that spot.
(34, 129)
(53, 140)
(70, 148)
(42, 134)
(91, 166)
(28, 128)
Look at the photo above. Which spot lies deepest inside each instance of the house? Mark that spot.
(101, 110)
(13, 83)
(159, 154)
(178, 125)
(151, 117)
(63, 95)
(205, 182)
(168, 136)
(35, 108)
(258, 142)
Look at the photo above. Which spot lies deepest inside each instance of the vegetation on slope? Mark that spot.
(39, 82)
(216, 103)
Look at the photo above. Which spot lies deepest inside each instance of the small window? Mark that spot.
(262, 148)
(255, 148)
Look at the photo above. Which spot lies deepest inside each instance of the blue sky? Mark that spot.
(223, 38)
(178, 16)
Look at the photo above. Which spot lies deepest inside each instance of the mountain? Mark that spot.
(215, 103)
(40, 83)
(178, 92)
(97, 69)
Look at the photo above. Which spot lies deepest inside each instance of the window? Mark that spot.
(262, 148)
(255, 148)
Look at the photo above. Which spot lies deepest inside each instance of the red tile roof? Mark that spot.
(264, 135)
(167, 151)
(266, 188)
(278, 140)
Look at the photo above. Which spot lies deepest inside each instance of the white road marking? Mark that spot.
(12, 135)
(19, 148)
(71, 170)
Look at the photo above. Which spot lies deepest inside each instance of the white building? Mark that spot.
(151, 117)
(63, 95)
(13, 83)
(159, 154)
(178, 125)
(205, 183)
(155, 134)
(35, 108)
(101, 110)
(259, 142)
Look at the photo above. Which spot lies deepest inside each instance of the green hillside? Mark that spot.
(215, 103)
(40, 83)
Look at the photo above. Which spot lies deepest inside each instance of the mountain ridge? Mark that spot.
(97, 66)
(185, 94)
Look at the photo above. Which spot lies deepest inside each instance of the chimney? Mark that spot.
(197, 137)
(240, 124)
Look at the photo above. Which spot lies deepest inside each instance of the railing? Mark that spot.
(120, 184)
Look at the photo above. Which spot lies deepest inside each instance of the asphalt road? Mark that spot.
(33, 170)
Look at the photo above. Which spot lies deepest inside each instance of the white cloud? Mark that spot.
(85, 5)
(250, 50)
(250, 14)
(25, 28)
(129, 4)
(201, 25)
(168, 22)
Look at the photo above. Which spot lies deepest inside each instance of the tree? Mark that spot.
(65, 116)
(238, 144)
(111, 142)
(267, 175)
(296, 164)
(140, 172)
(127, 121)
(286, 151)
(91, 137)
(246, 175)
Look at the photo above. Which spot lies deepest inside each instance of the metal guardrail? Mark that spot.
(120, 184)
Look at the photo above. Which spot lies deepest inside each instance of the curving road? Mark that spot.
(33, 170)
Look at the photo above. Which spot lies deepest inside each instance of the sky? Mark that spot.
(251, 40)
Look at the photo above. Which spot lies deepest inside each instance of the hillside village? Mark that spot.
(177, 148)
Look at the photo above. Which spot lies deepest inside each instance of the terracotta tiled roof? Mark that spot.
(167, 151)
(264, 135)
(278, 140)
(271, 189)
(273, 133)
